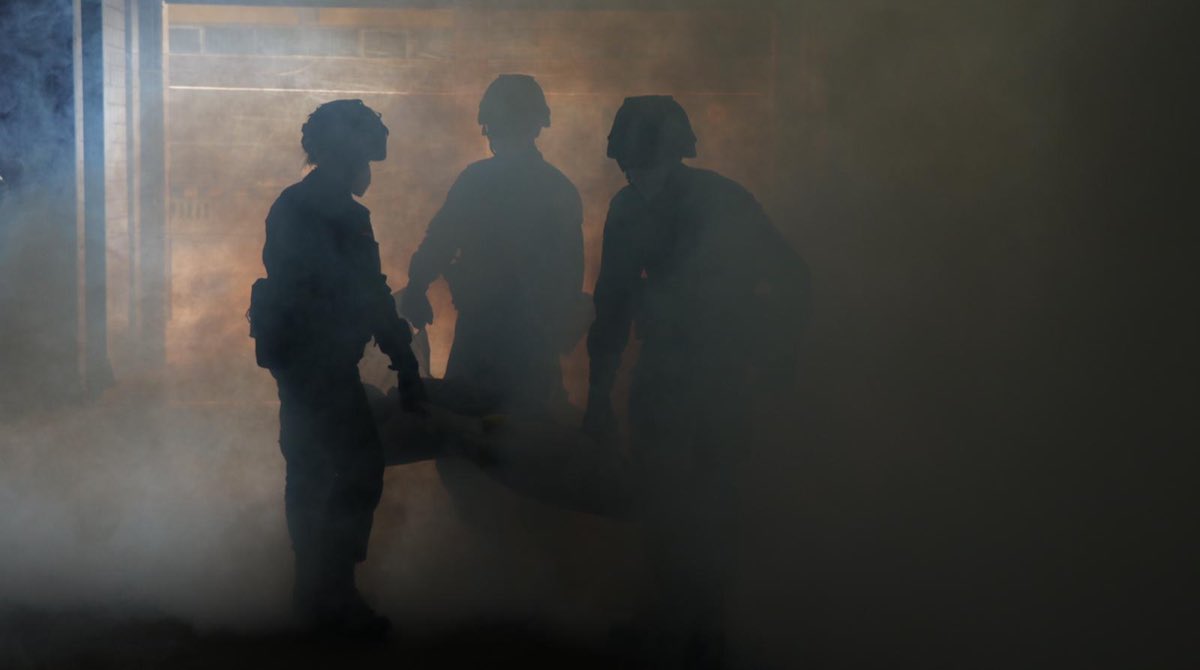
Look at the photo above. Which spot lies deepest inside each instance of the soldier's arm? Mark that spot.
(784, 297)
(392, 333)
(620, 273)
(441, 242)
(296, 277)
(283, 253)
(284, 306)
(562, 254)
(783, 270)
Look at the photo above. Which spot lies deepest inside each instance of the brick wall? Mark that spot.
(242, 80)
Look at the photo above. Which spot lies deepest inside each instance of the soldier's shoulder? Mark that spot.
(716, 184)
(286, 202)
(626, 205)
(292, 193)
(558, 175)
(714, 192)
(561, 182)
(479, 169)
(626, 197)
(475, 175)
(303, 194)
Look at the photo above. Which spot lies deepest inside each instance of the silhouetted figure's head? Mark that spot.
(650, 135)
(342, 138)
(649, 130)
(513, 112)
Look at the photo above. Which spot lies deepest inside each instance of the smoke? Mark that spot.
(136, 508)
(149, 499)
(37, 203)
(991, 373)
(162, 497)
(127, 507)
(36, 96)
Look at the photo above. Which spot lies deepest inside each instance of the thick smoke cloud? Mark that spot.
(984, 458)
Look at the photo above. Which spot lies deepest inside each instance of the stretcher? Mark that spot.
(546, 458)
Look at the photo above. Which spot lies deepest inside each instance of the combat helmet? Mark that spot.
(513, 104)
(650, 129)
(344, 130)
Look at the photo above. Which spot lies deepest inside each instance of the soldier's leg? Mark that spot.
(334, 482)
(306, 495)
(352, 502)
(714, 531)
(308, 486)
(688, 520)
(356, 485)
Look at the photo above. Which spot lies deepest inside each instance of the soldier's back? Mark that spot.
(515, 206)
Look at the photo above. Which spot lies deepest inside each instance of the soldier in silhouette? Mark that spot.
(690, 262)
(323, 300)
(509, 242)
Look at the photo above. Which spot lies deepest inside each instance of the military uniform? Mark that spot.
(323, 263)
(692, 269)
(509, 241)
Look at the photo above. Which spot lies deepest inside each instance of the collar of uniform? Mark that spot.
(320, 181)
(520, 153)
(328, 196)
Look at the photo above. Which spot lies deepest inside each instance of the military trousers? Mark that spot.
(685, 439)
(334, 463)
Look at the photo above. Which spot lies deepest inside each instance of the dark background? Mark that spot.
(1002, 372)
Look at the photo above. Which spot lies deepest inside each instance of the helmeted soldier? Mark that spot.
(323, 300)
(690, 262)
(509, 242)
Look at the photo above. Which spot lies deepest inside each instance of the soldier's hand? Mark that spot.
(414, 306)
(412, 395)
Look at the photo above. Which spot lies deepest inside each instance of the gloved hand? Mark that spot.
(412, 394)
(414, 306)
(599, 420)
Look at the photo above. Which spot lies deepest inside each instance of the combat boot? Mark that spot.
(342, 611)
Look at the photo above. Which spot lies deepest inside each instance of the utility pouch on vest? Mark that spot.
(268, 325)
